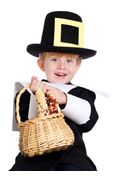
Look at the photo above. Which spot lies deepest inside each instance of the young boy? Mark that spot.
(60, 54)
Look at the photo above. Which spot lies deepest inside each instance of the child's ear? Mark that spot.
(40, 63)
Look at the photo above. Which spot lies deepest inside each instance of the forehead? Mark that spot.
(59, 55)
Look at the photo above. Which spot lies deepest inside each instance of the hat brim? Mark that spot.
(36, 49)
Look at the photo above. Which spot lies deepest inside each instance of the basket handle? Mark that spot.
(41, 104)
(18, 118)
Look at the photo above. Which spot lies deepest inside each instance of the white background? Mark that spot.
(21, 23)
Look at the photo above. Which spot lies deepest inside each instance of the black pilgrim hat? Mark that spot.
(63, 32)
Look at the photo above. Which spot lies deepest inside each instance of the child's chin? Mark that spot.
(60, 81)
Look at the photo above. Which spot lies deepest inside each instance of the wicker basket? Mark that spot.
(45, 133)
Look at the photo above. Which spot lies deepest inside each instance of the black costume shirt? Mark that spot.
(75, 155)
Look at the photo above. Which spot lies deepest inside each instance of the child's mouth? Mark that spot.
(61, 74)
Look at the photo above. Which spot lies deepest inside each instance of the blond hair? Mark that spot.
(45, 55)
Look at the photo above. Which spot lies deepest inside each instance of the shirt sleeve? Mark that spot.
(77, 109)
(89, 98)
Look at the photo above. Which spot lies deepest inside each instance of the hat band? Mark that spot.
(58, 33)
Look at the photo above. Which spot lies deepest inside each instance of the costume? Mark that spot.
(75, 155)
(63, 32)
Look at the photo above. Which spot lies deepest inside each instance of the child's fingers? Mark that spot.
(34, 78)
(45, 87)
(50, 93)
(35, 84)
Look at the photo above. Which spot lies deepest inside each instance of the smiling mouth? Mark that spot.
(60, 74)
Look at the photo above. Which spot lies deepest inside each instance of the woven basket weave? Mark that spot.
(45, 133)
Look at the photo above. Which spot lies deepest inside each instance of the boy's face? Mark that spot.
(60, 69)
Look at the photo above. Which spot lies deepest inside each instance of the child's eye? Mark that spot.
(53, 59)
(69, 60)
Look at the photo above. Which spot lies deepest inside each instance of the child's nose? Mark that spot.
(62, 65)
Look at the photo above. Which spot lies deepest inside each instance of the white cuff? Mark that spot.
(77, 109)
(32, 105)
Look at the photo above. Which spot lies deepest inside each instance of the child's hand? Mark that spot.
(35, 84)
(52, 91)
(56, 93)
